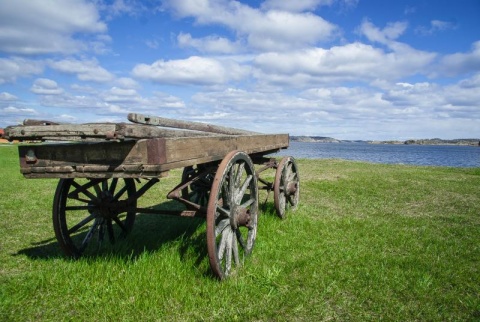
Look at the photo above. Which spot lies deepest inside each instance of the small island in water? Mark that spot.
(436, 141)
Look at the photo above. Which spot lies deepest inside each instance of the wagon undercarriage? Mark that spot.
(105, 168)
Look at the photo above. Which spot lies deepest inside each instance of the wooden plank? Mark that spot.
(109, 131)
(38, 122)
(195, 126)
(144, 131)
(37, 132)
(210, 149)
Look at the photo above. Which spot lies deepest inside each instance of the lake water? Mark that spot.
(432, 155)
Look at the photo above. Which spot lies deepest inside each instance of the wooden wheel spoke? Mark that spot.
(97, 188)
(113, 186)
(101, 232)
(81, 224)
(224, 212)
(225, 195)
(231, 185)
(120, 193)
(105, 185)
(290, 200)
(228, 251)
(111, 234)
(248, 203)
(89, 235)
(289, 169)
(240, 239)
(236, 256)
(239, 173)
(119, 223)
(241, 192)
(220, 227)
(75, 208)
(293, 177)
(82, 189)
(222, 245)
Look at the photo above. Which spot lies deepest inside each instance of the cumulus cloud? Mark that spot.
(383, 36)
(86, 70)
(266, 30)
(460, 63)
(34, 27)
(15, 67)
(295, 6)
(126, 82)
(4, 96)
(115, 101)
(19, 111)
(355, 61)
(210, 44)
(45, 86)
(194, 70)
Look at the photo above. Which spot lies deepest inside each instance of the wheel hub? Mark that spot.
(107, 207)
(240, 217)
(291, 188)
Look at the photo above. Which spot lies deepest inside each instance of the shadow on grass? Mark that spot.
(150, 232)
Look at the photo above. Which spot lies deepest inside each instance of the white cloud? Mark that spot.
(194, 70)
(351, 62)
(126, 82)
(45, 86)
(87, 102)
(295, 6)
(15, 67)
(460, 63)
(19, 111)
(435, 26)
(36, 27)
(86, 70)
(269, 30)
(4, 96)
(347, 112)
(383, 36)
(210, 44)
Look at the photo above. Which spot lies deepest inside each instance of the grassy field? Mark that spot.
(368, 242)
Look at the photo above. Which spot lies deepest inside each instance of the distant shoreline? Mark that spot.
(436, 141)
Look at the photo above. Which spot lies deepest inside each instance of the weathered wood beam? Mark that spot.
(196, 126)
(39, 122)
(109, 131)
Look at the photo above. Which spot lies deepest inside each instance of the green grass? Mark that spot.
(368, 242)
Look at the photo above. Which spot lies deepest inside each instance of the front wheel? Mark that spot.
(232, 214)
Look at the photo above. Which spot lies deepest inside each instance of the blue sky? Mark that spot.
(349, 69)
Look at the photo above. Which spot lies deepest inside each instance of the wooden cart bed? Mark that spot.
(147, 148)
(137, 158)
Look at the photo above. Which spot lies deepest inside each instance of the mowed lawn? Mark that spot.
(368, 242)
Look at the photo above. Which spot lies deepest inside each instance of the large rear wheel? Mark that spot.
(88, 211)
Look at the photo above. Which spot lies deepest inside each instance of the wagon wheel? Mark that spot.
(286, 189)
(232, 214)
(87, 211)
(199, 191)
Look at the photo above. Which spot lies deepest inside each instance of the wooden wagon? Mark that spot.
(100, 166)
